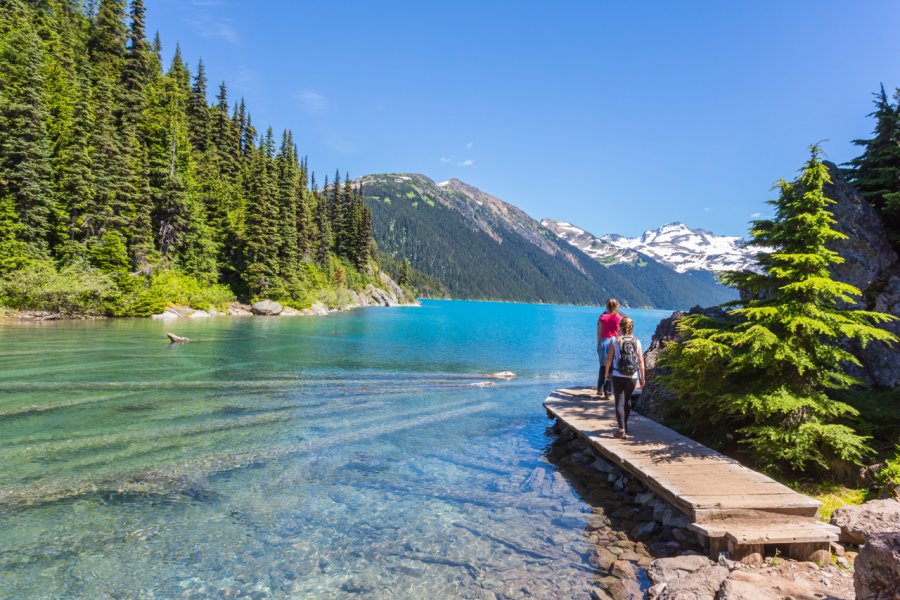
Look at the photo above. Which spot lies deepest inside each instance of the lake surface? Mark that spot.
(335, 457)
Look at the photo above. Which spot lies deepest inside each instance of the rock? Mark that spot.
(820, 557)
(624, 589)
(753, 560)
(266, 308)
(645, 531)
(199, 314)
(871, 265)
(318, 309)
(287, 311)
(837, 549)
(604, 466)
(598, 594)
(603, 558)
(877, 568)
(859, 522)
(662, 570)
(799, 581)
(581, 458)
(177, 339)
(236, 309)
(703, 583)
(623, 570)
(165, 315)
(483, 384)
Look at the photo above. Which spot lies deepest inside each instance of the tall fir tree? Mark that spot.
(770, 370)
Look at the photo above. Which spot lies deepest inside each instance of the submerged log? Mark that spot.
(177, 339)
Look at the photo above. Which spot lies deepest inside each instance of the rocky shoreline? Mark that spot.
(389, 295)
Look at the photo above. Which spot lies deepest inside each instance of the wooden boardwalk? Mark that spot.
(734, 507)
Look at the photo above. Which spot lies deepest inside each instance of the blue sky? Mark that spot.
(617, 116)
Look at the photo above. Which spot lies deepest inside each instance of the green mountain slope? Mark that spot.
(483, 248)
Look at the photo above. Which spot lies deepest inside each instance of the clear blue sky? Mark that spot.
(617, 116)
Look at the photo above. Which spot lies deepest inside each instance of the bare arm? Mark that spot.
(609, 360)
(641, 361)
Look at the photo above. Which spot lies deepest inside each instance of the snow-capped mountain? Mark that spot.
(600, 250)
(675, 245)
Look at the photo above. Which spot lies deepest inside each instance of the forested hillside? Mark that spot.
(122, 187)
(481, 247)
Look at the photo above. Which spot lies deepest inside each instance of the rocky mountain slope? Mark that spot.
(675, 245)
(482, 247)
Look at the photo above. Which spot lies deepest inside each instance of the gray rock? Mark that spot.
(318, 309)
(236, 309)
(165, 315)
(753, 560)
(604, 466)
(871, 265)
(266, 308)
(870, 518)
(662, 570)
(623, 570)
(877, 568)
(701, 584)
(290, 312)
(645, 531)
(199, 314)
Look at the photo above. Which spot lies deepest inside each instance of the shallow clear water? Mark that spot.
(344, 456)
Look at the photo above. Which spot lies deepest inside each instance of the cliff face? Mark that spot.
(871, 265)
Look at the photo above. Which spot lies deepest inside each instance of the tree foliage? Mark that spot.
(112, 165)
(769, 367)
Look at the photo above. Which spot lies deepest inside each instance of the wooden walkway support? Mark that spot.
(734, 508)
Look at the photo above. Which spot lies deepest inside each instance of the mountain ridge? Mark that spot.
(674, 244)
(482, 247)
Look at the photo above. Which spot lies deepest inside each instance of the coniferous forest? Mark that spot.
(123, 188)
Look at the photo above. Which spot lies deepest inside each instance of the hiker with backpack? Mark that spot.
(625, 366)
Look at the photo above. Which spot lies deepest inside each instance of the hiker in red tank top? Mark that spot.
(607, 330)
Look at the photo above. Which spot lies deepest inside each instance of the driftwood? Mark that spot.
(177, 339)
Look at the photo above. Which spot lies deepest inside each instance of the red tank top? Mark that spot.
(609, 325)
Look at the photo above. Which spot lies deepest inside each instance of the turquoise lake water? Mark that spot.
(335, 457)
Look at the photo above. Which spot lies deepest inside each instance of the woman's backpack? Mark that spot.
(628, 363)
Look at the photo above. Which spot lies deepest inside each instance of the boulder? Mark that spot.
(662, 570)
(199, 314)
(877, 568)
(266, 308)
(873, 517)
(239, 310)
(177, 339)
(703, 583)
(165, 315)
(318, 309)
(287, 311)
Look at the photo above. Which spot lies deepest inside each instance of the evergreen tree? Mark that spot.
(109, 162)
(198, 110)
(771, 368)
(25, 174)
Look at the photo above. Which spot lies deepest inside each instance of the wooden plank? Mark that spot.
(693, 478)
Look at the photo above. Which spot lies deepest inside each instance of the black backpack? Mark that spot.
(628, 363)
